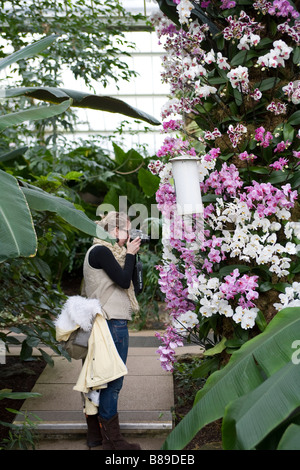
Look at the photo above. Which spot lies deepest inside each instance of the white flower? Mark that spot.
(248, 320)
(185, 322)
(213, 283)
(207, 309)
(225, 308)
(283, 214)
(239, 78)
(205, 90)
(272, 238)
(222, 62)
(276, 56)
(248, 40)
(165, 173)
(275, 226)
(210, 57)
(239, 313)
(193, 290)
(290, 248)
(184, 9)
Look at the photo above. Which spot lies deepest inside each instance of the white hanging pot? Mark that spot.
(187, 185)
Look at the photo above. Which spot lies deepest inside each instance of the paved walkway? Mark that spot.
(145, 403)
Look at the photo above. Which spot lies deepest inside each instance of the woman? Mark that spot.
(108, 271)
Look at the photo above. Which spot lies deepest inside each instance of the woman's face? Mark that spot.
(122, 234)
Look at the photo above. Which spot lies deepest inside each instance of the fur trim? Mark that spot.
(78, 311)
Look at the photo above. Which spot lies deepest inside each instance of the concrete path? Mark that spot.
(145, 403)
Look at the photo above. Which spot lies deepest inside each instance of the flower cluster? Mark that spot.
(171, 341)
(290, 297)
(185, 322)
(292, 90)
(237, 79)
(277, 56)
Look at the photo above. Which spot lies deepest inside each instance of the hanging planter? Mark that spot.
(187, 185)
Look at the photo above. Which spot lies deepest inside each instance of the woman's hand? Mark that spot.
(133, 246)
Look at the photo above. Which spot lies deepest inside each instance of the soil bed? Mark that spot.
(210, 437)
(17, 376)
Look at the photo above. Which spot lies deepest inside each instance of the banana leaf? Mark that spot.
(290, 439)
(81, 100)
(28, 51)
(33, 114)
(248, 420)
(7, 156)
(17, 234)
(40, 200)
(248, 367)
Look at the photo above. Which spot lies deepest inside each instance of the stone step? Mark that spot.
(145, 402)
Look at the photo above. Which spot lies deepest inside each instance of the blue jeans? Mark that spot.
(108, 404)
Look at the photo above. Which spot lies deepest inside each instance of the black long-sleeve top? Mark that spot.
(101, 257)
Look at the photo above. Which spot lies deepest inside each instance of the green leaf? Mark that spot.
(290, 439)
(112, 198)
(28, 51)
(242, 57)
(47, 357)
(42, 201)
(4, 157)
(261, 321)
(267, 84)
(288, 132)
(259, 170)
(33, 114)
(120, 154)
(17, 234)
(18, 395)
(265, 286)
(148, 182)
(296, 56)
(295, 180)
(294, 119)
(216, 349)
(82, 100)
(249, 419)
(241, 375)
(206, 367)
(26, 351)
(229, 269)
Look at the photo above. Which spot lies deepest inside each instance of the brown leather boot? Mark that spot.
(94, 437)
(111, 436)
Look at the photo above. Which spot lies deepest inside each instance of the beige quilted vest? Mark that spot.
(98, 285)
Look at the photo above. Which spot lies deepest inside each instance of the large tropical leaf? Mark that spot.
(28, 51)
(290, 439)
(265, 354)
(6, 156)
(33, 114)
(42, 201)
(82, 100)
(248, 420)
(17, 234)
(148, 182)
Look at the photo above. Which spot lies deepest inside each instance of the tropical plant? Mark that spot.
(233, 70)
(30, 213)
(225, 72)
(21, 437)
(17, 235)
(256, 393)
(91, 45)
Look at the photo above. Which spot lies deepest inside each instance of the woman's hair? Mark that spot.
(114, 220)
